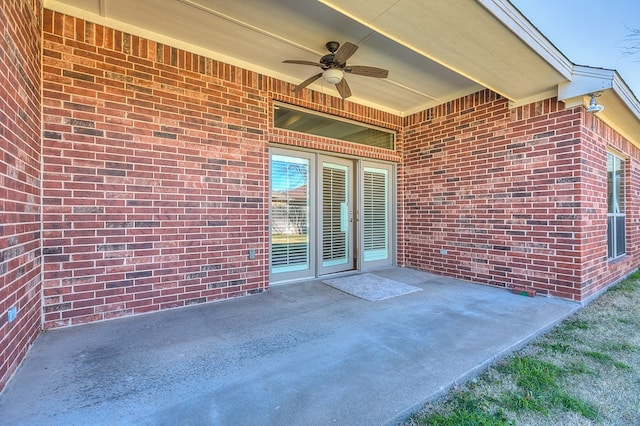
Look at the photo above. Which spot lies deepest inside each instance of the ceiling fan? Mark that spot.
(334, 66)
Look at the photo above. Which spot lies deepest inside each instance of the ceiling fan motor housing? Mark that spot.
(326, 61)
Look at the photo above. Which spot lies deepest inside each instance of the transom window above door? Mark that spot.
(318, 124)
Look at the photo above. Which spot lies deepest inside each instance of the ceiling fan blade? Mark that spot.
(293, 61)
(344, 52)
(307, 82)
(343, 89)
(367, 71)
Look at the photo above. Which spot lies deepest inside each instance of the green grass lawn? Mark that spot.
(586, 371)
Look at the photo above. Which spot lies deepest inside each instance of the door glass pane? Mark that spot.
(289, 214)
(335, 211)
(375, 214)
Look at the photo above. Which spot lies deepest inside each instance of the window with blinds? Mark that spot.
(375, 214)
(289, 214)
(615, 207)
(335, 215)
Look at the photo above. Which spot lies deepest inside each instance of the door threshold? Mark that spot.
(338, 274)
(319, 277)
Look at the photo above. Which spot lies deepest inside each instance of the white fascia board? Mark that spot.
(513, 19)
(626, 94)
(584, 81)
(588, 80)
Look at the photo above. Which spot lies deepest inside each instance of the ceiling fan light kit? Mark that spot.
(333, 76)
(334, 66)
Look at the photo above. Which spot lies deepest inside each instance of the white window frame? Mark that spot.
(619, 207)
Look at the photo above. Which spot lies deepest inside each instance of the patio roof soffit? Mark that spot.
(622, 108)
(500, 50)
(436, 51)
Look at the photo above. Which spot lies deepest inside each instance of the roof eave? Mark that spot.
(622, 109)
(513, 19)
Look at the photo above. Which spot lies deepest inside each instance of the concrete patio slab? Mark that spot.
(298, 354)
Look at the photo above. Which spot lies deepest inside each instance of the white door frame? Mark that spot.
(358, 166)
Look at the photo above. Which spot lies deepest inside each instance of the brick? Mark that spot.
(20, 104)
(161, 153)
(552, 233)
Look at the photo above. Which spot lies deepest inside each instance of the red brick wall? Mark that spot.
(513, 196)
(597, 138)
(156, 180)
(156, 172)
(20, 125)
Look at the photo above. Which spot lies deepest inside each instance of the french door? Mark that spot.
(336, 220)
(328, 214)
(292, 218)
(376, 231)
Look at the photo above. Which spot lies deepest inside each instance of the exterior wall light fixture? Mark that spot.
(594, 108)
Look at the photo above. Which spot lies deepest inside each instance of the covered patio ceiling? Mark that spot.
(435, 51)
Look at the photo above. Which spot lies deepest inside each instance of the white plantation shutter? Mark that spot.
(375, 214)
(335, 215)
(320, 214)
